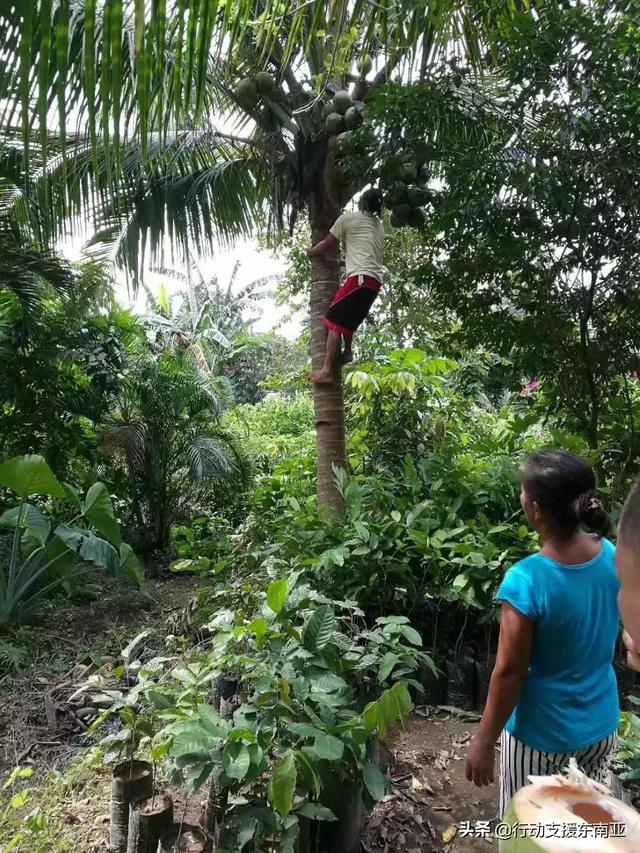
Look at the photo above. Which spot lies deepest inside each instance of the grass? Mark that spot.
(58, 812)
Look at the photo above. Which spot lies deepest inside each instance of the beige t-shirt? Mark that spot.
(363, 236)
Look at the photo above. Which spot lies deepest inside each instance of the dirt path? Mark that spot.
(431, 795)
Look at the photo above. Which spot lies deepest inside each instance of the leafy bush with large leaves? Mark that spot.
(313, 686)
(46, 551)
(432, 505)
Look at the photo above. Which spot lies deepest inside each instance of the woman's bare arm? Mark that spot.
(512, 663)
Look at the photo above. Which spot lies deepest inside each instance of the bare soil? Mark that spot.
(431, 795)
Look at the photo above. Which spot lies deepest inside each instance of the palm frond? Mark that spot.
(208, 459)
(28, 272)
(127, 439)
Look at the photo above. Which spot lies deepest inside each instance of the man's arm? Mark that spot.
(629, 599)
(324, 247)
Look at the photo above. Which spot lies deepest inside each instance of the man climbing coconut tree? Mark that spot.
(363, 236)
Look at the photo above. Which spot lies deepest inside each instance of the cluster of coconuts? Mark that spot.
(342, 113)
(262, 84)
(406, 195)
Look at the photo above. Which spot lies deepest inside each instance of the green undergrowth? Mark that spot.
(56, 812)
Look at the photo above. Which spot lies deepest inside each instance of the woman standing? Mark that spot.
(553, 692)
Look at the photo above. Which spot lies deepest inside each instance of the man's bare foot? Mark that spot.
(346, 357)
(319, 377)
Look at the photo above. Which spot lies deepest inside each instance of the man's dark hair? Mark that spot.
(371, 201)
(564, 486)
(629, 525)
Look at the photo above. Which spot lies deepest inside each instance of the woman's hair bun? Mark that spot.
(591, 512)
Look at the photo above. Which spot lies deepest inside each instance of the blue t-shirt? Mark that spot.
(569, 697)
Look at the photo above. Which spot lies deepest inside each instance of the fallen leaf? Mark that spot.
(449, 833)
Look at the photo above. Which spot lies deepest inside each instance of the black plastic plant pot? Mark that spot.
(344, 798)
(435, 686)
(627, 683)
(185, 839)
(149, 821)
(460, 678)
(131, 781)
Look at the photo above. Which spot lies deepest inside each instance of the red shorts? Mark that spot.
(351, 304)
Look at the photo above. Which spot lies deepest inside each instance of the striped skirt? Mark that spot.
(519, 761)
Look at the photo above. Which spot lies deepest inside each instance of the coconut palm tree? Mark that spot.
(203, 119)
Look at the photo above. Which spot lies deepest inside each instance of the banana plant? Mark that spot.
(45, 554)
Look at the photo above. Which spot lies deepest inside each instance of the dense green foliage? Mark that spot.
(510, 320)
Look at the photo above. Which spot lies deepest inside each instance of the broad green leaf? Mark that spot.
(101, 553)
(328, 747)
(30, 519)
(197, 776)
(130, 565)
(259, 627)
(282, 784)
(236, 760)
(371, 718)
(373, 780)
(245, 833)
(386, 666)
(30, 475)
(90, 548)
(309, 772)
(314, 811)
(303, 729)
(277, 594)
(411, 635)
(319, 628)
(98, 509)
(72, 495)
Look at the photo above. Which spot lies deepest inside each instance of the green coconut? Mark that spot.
(408, 173)
(342, 140)
(364, 64)
(398, 193)
(396, 222)
(247, 90)
(417, 218)
(569, 800)
(265, 82)
(402, 212)
(334, 123)
(416, 196)
(327, 109)
(342, 101)
(353, 118)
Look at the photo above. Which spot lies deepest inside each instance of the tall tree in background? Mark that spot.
(200, 118)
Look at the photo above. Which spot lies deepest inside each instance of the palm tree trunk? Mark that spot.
(328, 399)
